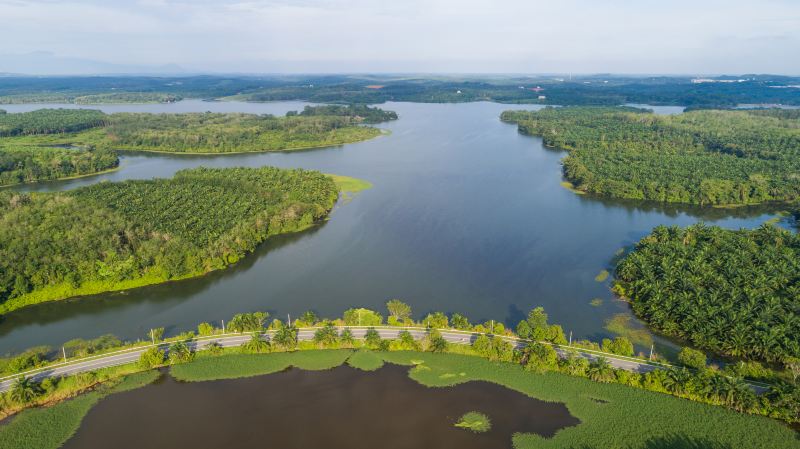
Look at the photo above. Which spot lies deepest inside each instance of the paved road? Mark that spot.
(304, 334)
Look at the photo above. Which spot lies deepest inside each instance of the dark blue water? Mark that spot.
(466, 216)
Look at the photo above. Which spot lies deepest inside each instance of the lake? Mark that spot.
(466, 215)
(346, 408)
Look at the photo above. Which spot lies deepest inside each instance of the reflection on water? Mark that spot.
(342, 407)
(466, 215)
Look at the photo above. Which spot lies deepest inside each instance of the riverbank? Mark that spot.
(610, 415)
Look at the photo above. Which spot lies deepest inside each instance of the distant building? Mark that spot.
(542, 97)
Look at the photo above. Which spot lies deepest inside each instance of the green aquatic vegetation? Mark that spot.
(596, 302)
(622, 324)
(601, 276)
(236, 365)
(475, 422)
(50, 427)
(717, 158)
(365, 360)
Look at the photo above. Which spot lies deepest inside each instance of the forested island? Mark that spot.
(733, 292)
(606, 89)
(114, 236)
(718, 158)
(52, 144)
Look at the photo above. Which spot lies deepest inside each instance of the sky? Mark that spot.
(402, 36)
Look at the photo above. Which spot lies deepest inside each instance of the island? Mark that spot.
(50, 144)
(120, 235)
(708, 158)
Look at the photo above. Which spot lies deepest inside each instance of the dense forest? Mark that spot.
(194, 132)
(359, 112)
(734, 292)
(699, 157)
(368, 89)
(49, 121)
(26, 164)
(112, 236)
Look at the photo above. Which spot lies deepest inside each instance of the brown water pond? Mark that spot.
(342, 407)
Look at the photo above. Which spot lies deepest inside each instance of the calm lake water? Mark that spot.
(466, 216)
(347, 408)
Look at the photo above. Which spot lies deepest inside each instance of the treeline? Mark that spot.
(701, 157)
(360, 112)
(24, 164)
(193, 132)
(733, 292)
(111, 236)
(695, 380)
(50, 121)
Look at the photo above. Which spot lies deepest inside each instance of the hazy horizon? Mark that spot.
(439, 36)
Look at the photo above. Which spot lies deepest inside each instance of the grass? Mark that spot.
(348, 186)
(238, 365)
(622, 324)
(629, 418)
(474, 421)
(365, 360)
(50, 427)
(611, 415)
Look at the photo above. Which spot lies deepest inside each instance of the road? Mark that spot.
(132, 355)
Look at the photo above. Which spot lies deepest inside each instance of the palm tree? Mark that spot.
(286, 337)
(179, 352)
(600, 370)
(326, 335)
(346, 337)
(24, 390)
(257, 344)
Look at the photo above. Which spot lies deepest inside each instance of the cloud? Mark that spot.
(416, 35)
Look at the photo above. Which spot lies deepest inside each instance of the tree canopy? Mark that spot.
(699, 157)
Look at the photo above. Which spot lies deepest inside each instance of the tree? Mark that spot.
(539, 357)
(151, 358)
(574, 365)
(204, 329)
(435, 320)
(346, 338)
(523, 330)
(619, 346)
(600, 370)
(362, 317)
(327, 335)
(459, 321)
(257, 344)
(179, 352)
(692, 358)
(482, 345)
(407, 341)
(309, 317)
(399, 310)
(156, 334)
(537, 322)
(286, 337)
(23, 390)
(248, 322)
(372, 339)
(436, 343)
(793, 366)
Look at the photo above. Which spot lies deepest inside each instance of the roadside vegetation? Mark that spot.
(694, 379)
(112, 236)
(733, 292)
(709, 158)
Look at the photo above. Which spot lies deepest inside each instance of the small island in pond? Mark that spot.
(120, 235)
(709, 158)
